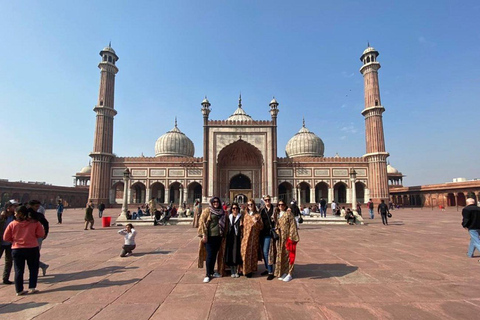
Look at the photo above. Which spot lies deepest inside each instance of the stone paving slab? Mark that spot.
(415, 268)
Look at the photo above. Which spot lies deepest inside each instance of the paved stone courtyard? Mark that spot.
(416, 268)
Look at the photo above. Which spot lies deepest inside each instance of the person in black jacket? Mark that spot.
(265, 236)
(471, 222)
(37, 212)
(383, 210)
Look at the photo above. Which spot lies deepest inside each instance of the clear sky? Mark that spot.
(305, 53)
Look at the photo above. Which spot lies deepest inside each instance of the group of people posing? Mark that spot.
(238, 239)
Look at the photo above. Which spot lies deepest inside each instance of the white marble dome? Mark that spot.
(174, 143)
(87, 169)
(391, 169)
(239, 114)
(305, 144)
(369, 49)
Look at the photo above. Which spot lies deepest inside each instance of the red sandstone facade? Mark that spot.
(240, 157)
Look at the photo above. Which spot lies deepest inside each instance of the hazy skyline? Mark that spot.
(173, 53)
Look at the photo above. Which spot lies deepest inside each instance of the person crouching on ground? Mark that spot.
(350, 217)
(287, 242)
(23, 234)
(212, 228)
(233, 257)
(129, 233)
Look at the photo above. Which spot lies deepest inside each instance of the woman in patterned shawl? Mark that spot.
(212, 229)
(252, 225)
(287, 243)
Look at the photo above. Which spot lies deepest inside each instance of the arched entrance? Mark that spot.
(461, 199)
(285, 192)
(321, 191)
(360, 192)
(304, 189)
(158, 192)
(340, 192)
(116, 193)
(240, 170)
(138, 192)
(174, 194)
(194, 192)
(451, 200)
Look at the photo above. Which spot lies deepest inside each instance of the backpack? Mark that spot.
(370, 205)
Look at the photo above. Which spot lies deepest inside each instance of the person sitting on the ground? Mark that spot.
(129, 233)
(129, 215)
(139, 212)
(187, 212)
(343, 212)
(350, 217)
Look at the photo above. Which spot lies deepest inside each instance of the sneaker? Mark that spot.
(44, 269)
(92, 228)
(206, 280)
(6, 281)
(233, 275)
(249, 275)
(282, 277)
(287, 278)
(22, 293)
(264, 273)
(270, 277)
(33, 291)
(216, 275)
(237, 275)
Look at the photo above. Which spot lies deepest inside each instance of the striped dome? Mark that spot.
(174, 143)
(304, 144)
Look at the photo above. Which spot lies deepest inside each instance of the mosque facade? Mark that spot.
(240, 156)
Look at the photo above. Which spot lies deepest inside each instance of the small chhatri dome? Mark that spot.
(274, 101)
(391, 169)
(87, 169)
(109, 48)
(239, 114)
(174, 143)
(304, 144)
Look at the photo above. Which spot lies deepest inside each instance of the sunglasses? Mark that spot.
(234, 208)
(215, 202)
(281, 204)
(267, 200)
(250, 204)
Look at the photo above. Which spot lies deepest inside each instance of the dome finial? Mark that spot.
(175, 121)
(304, 121)
(240, 100)
(110, 44)
(368, 44)
(90, 163)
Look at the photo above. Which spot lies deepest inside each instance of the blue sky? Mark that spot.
(305, 53)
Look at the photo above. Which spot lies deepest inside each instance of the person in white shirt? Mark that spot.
(129, 233)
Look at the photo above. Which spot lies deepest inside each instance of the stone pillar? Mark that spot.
(205, 111)
(167, 195)
(180, 196)
(312, 195)
(123, 215)
(330, 195)
(349, 195)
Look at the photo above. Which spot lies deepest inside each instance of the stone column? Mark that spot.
(167, 195)
(312, 195)
(330, 195)
(123, 215)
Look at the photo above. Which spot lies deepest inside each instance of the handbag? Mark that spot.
(389, 215)
(273, 233)
(300, 220)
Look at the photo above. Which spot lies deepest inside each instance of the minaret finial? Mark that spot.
(175, 121)
(89, 163)
(304, 121)
(110, 44)
(240, 100)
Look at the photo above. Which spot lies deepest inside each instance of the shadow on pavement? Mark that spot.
(16, 307)
(140, 254)
(323, 271)
(102, 284)
(61, 277)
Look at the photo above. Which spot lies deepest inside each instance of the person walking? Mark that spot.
(38, 213)
(287, 243)
(252, 225)
(101, 207)
(233, 256)
(59, 212)
(383, 210)
(370, 208)
(471, 222)
(265, 236)
(197, 211)
(89, 216)
(212, 227)
(129, 233)
(334, 207)
(7, 217)
(23, 234)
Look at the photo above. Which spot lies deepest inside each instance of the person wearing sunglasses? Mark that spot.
(233, 257)
(212, 228)
(287, 243)
(265, 237)
(252, 225)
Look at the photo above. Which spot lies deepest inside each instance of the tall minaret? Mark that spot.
(274, 112)
(103, 139)
(375, 140)
(205, 111)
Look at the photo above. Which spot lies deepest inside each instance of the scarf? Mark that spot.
(234, 220)
(219, 213)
